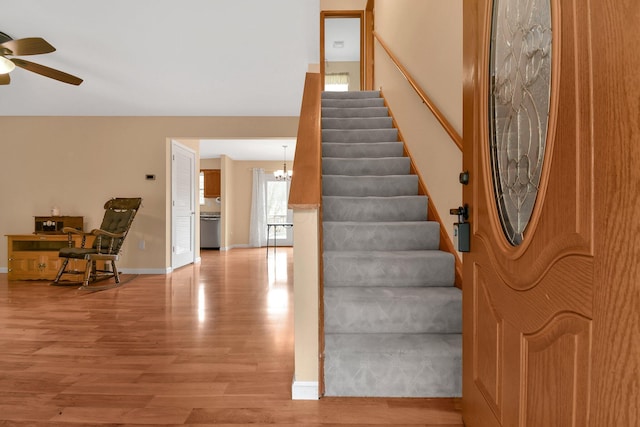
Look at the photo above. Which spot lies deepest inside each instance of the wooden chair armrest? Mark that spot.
(99, 232)
(72, 230)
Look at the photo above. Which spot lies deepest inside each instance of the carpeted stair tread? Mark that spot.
(403, 310)
(374, 166)
(329, 112)
(355, 150)
(393, 365)
(357, 123)
(351, 95)
(388, 268)
(381, 236)
(359, 135)
(397, 208)
(362, 186)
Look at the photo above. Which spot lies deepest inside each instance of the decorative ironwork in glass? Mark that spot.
(520, 90)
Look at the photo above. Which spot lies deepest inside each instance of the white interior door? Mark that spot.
(183, 198)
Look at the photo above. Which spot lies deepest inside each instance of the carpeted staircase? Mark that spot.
(392, 317)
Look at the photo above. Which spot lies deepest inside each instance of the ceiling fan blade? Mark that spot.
(47, 72)
(5, 79)
(28, 46)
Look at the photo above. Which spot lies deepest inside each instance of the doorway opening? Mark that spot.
(342, 50)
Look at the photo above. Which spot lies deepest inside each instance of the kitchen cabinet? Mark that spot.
(211, 183)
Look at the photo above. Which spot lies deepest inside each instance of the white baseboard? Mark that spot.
(304, 390)
(4, 269)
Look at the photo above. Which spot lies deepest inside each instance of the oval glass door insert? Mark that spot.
(519, 96)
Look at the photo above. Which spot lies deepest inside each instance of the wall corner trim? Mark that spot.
(304, 390)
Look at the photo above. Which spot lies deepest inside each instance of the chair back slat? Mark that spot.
(118, 216)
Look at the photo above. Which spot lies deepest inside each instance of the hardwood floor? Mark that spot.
(207, 344)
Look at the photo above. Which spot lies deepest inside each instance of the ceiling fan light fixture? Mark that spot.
(6, 66)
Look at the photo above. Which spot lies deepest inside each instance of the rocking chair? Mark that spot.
(118, 216)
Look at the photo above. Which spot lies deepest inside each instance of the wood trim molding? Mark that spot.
(432, 214)
(360, 14)
(369, 46)
(448, 127)
(306, 183)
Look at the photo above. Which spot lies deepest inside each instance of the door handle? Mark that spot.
(462, 212)
(461, 229)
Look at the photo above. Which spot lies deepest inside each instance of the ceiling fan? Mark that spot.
(28, 46)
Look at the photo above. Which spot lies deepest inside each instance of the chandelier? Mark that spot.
(283, 174)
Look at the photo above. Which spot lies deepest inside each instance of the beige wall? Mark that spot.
(426, 36)
(343, 4)
(305, 282)
(77, 163)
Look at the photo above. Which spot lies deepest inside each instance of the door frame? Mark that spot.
(332, 14)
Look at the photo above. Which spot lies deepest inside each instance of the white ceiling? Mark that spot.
(164, 57)
(248, 149)
(345, 30)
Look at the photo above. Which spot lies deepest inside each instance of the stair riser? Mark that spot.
(352, 103)
(403, 185)
(365, 209)
(351, 95)
(361, 136)
(329, 112)
(393, 310)
(357, 123)
(401, 236)
(353, 368)
(431, 268)
(356, 167)
(373, 150)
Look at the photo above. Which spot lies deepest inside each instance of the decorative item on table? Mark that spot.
(54, 224)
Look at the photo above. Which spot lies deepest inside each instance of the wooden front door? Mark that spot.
(528, 298)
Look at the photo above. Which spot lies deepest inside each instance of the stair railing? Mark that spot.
(306, 180)
(447, 126)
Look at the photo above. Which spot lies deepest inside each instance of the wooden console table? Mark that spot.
(35, 256)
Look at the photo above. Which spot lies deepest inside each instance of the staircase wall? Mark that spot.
(426, 36)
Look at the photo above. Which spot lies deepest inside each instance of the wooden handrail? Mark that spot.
(457, 139)
(306, 179)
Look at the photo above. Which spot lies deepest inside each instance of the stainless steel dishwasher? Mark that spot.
(209, 230)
